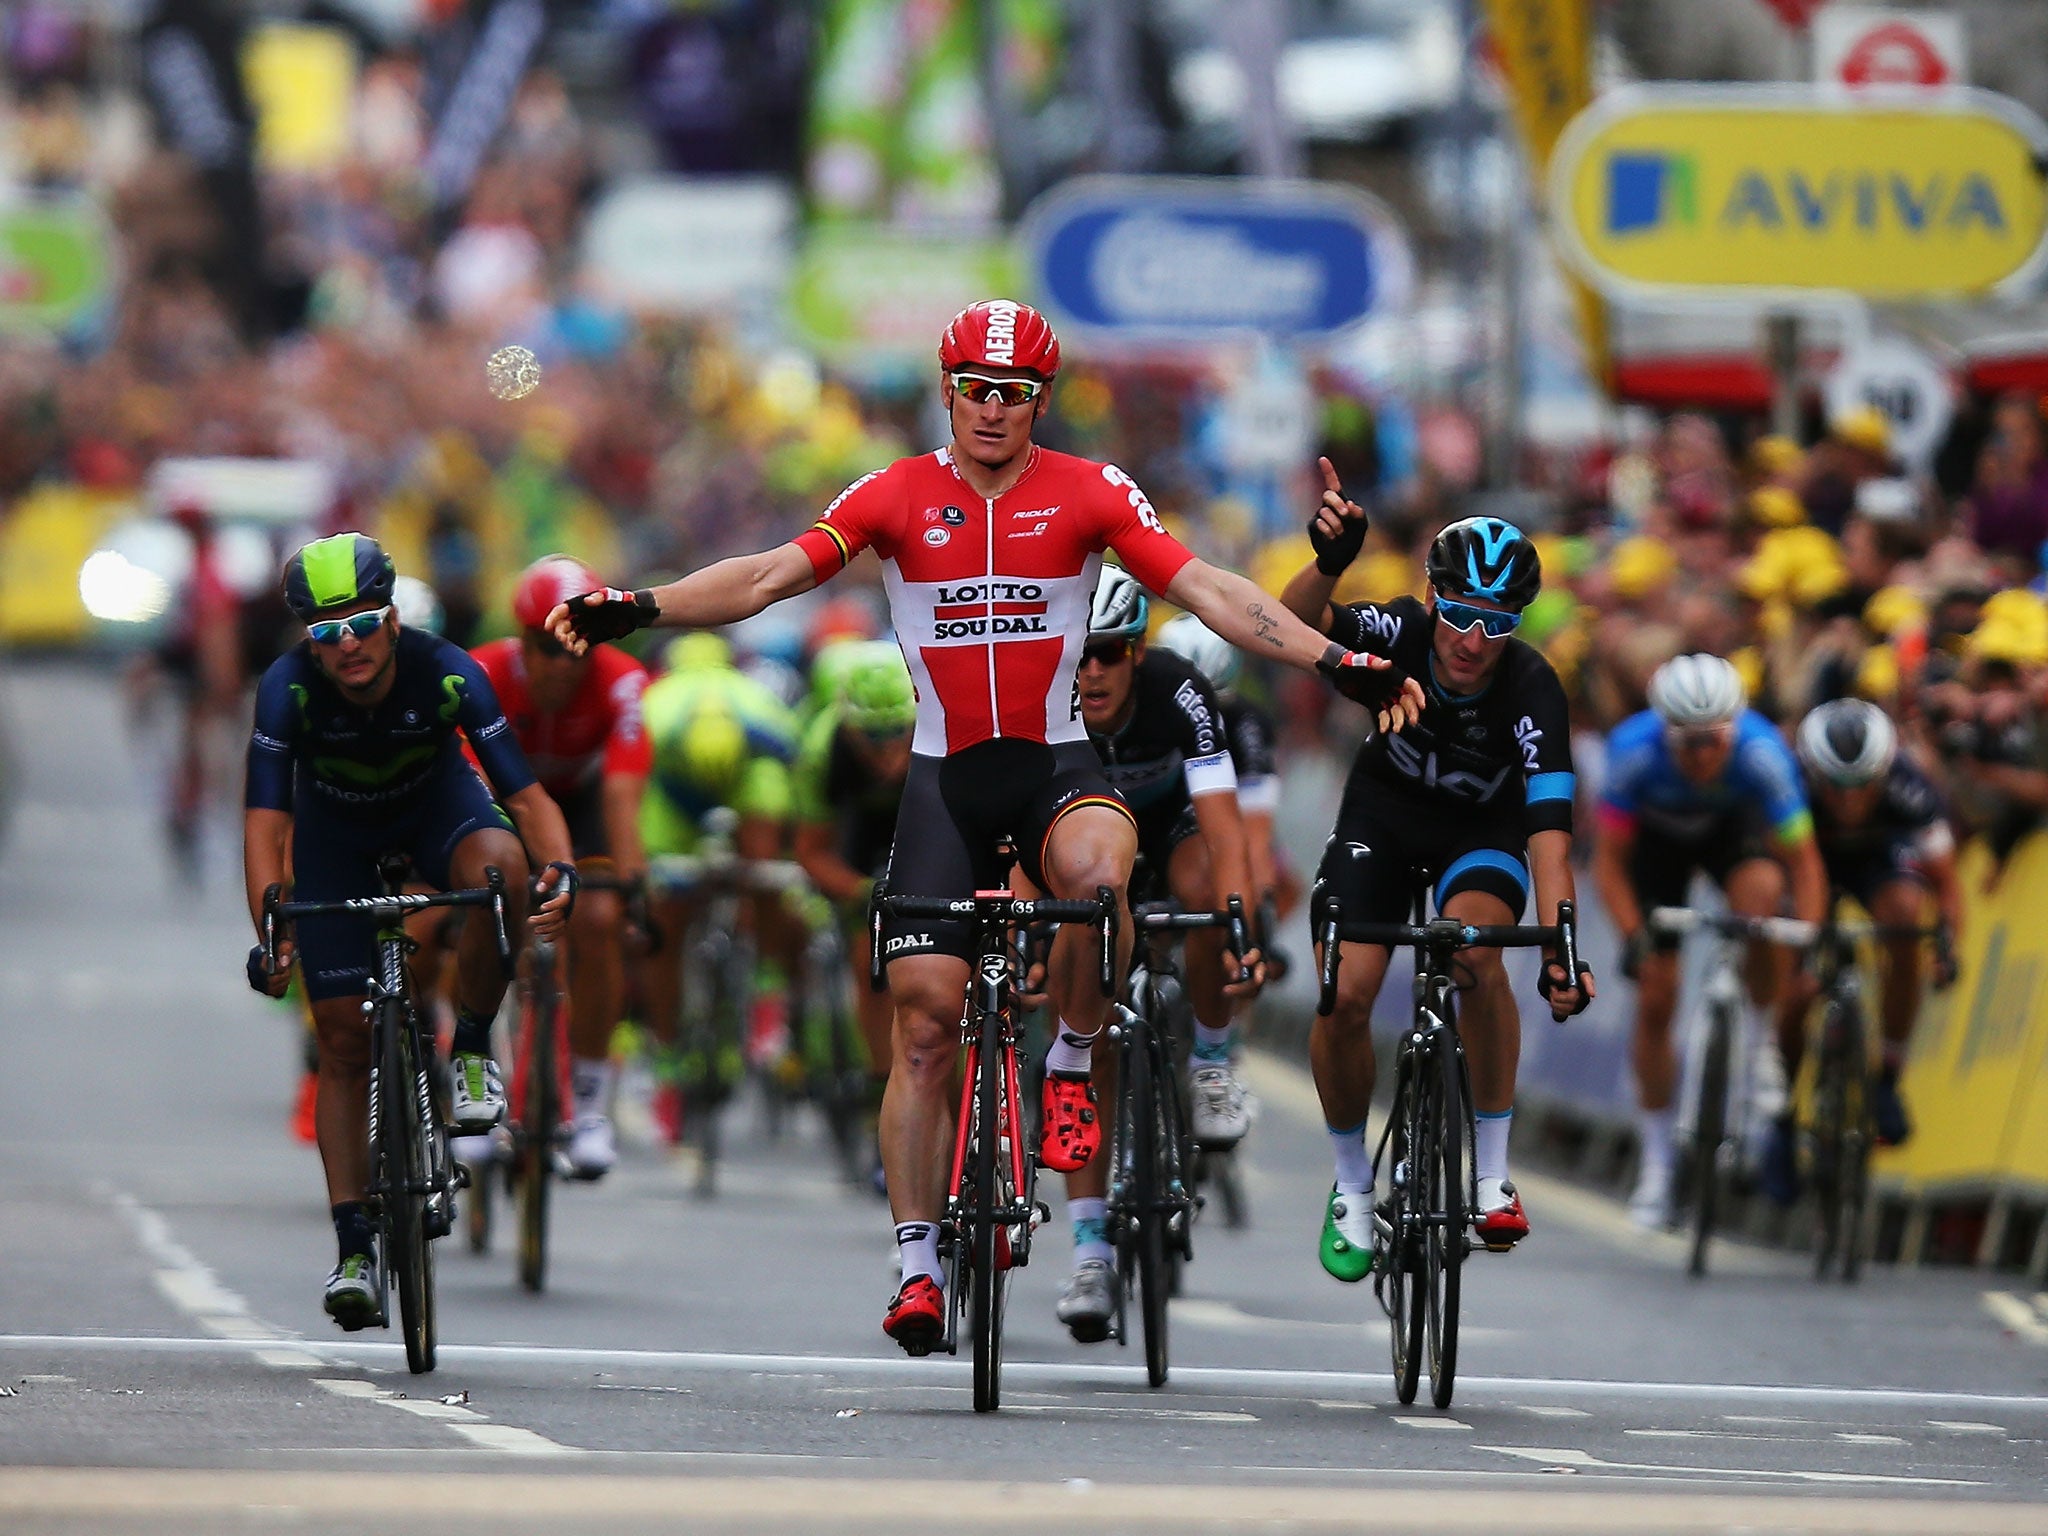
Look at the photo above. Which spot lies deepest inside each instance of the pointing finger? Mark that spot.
(1330, 481)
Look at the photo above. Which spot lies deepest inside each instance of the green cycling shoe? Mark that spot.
(1347, 1236)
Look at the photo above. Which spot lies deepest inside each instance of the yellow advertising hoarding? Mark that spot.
(1800, 190)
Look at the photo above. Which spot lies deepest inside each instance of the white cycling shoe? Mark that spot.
(476, 1095)
(1088, 1301)
(1650, 1206)
(1218, 1115)
(593, 1147)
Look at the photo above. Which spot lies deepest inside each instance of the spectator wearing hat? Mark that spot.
(2006, 512)
(1858, 447)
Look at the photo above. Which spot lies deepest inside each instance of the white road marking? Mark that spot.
(472, 1426)
(1416, 1421)
(511, 1440)
(1548, 1411)
(1966, 1427)
(1853, 1438)
(288, 1359)
(1061, 1376)
(1131, 1410)
(1204, 1311)
(2018, 1314)
(1551, 1456)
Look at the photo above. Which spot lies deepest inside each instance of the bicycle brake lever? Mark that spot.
(273, 894)
(1240, 937)
(1107, 898)
(495, 879)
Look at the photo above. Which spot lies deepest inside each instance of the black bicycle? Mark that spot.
(991, 1198)
(1152, 1202)
(1424, 1160)
(413, 1179)
(1839, 1132)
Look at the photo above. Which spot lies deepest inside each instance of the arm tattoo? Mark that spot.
(1264, 626)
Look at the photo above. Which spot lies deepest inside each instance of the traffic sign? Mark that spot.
(1913, 391)
(1794, 190)
(1873, 50)
(1161, 259)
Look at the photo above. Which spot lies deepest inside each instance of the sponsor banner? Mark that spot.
(1544, 49)
(680, 245)
(56, 263)
(1171, 260)
(1974, 1081)
(1792, 191)
(874, 299)
(482, 96)
(302, 82)
(1864, 49)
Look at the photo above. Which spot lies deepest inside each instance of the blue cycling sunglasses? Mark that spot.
(1462, 616)
(361, 625)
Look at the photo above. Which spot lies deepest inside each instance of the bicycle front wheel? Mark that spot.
(990, 1285)
(408, 1255)
(1147, 1063)
(538, 1117)
(1443, 1247)
(1403, 1258)
(1709, 1131)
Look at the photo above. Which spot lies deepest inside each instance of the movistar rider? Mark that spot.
(1476, 796)
(356, 754)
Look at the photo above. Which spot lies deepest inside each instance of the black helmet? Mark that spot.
(339, 572)
(1486, 557)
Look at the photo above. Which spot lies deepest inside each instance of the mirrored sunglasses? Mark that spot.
(1701, 738)
(978, 388)
(1106, 653)
(1462, 616)
(361, 625)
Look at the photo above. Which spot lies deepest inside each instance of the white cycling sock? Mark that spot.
(1071, 1054)
(590, 1084)
(1354, 1163)
(918, 1242)
(1490, 1143)
(1089, 1217)
(1655, 1127)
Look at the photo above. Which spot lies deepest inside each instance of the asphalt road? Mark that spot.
(718, 1365)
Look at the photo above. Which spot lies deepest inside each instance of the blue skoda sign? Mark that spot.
(1145, 258)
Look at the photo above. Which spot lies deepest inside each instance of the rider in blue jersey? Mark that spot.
(357, 752)
(1697, 782)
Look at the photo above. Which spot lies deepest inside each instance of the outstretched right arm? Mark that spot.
(723, 593)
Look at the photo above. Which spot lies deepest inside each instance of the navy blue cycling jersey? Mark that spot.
(313, 749)
(1909, 807)
(1504, 750)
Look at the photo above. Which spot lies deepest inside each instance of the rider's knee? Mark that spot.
(344, 1037)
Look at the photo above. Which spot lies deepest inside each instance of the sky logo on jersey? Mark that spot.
(1528, 735)
(1377, 621)
(1644, 191)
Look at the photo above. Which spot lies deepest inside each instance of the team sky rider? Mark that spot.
(578, 720)
(1250, 732)
(1884, 840)
(1478, 793)
(990, 548)
(1698, 781)
(1158, 730)
(848, 784)
(355, 754)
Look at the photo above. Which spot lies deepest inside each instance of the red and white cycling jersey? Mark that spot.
(600, 732)
(990, 598)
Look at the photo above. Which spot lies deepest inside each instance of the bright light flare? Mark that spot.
(115, 590)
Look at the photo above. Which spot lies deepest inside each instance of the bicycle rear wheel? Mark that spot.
(539, 1022)
(1443, 1238)
(1147, 1062)
(408, 1254)
(1852, 1136)
(1709, 1131)
(990, 1285)
(1402, 1261)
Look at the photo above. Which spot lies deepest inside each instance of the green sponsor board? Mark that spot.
(869, 296)
(56, 263)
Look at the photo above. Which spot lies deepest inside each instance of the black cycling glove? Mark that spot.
(612, 614)
(1335, 554)
(1364, 679)
(259, 978)
(569, 882)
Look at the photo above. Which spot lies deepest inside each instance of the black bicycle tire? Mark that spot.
(1146, 1057)
(1406, 1313)
(1858, 1135)
(481, 1210)
(1709, 1128)
(537, 1135)
(985, 1312)
(1444, 1238)
(1826, 1139)
(409, 1254)
(703, 1106)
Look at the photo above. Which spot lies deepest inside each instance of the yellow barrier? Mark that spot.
(43, 542)
(1973, 1083)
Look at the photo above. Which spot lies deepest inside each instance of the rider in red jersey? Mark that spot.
(577, 718)
(990, 549)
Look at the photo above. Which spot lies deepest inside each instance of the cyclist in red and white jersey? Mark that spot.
(578, 720)
(990, 549)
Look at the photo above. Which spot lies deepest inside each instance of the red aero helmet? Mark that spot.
(1000, 333)
(550, 580)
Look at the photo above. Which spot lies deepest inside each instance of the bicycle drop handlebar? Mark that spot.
(1167, 917)
(986, 907)
(1442, 937)
(1792, 932)
(277, 910)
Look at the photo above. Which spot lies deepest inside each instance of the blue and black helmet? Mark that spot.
(1485, 557)
(337, 572)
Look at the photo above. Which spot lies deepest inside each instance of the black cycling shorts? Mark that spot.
(1381, 851)
(1661, 867)
(1863, 872)
(957, 809)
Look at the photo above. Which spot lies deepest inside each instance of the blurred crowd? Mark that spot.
(1822, 567)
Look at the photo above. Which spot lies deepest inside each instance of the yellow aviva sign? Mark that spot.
(1798, 189)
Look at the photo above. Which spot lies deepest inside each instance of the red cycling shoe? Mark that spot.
(1500, 1227)
(1072, 1133)
(916, 1319)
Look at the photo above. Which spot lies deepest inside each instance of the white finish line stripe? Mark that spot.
(1323, 1384)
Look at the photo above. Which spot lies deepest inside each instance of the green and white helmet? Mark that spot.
(877, 697)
